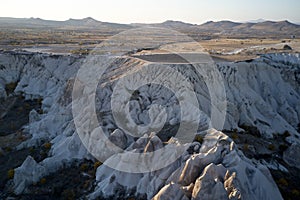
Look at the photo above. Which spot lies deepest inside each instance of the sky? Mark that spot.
(154, 11)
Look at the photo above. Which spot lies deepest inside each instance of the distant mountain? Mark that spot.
(82, 22)
(253, 28)
(178, 25)
(281, 28)
(220, 25)
(78, 23)
(249, 29)
(270, 25)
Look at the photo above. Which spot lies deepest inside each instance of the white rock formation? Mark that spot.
(29, 172)
(291, 155)
(218, 171)
(263, 93)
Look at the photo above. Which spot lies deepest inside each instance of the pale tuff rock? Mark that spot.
(29, 172)
(64, 151)
(209, 185)
(171, 191)
(218, 171)
(33, 116)
(118, 138)
(291, 155)
(252, 99)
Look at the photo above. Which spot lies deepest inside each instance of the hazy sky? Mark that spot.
(127, 11)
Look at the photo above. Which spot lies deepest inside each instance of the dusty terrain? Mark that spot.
(224, 40)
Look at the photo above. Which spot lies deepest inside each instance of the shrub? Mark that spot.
(8, 149)
(286, 134)
(97, 164)
(11, 173)
(282, 182)
(10, 87)
(246, 147)
(295, 192)
(43, 181)
(271, 147)
(83, 167)
(235, 136)
(68, 194)
(22, 137)
(27, 106)
(199, 138)
(47, 145)
(40, 100)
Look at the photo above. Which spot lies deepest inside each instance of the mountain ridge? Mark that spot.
(283, 29)
(167, 22)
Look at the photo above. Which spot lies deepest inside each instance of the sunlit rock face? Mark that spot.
(215, 169)
(263, 93)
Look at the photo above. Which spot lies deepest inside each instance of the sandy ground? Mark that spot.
(220, 50)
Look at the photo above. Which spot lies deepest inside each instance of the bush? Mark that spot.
(271, 147)
(295, 192)
(68, 194)
(246, 147)
(8, 149)
(235, 136)
(199, 138)
(84, 167)
(43, 181)
(47, 145)
(22, 137)
(97, 164)
(10, 87)
(286, 134)
(11, 173)
(40, 100)
(282, 182)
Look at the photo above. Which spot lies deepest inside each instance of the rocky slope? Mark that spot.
(263, 93)
(215, 169)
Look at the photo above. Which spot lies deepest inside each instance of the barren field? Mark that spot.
(70, 40)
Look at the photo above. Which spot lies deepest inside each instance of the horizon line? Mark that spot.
(174, 20)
